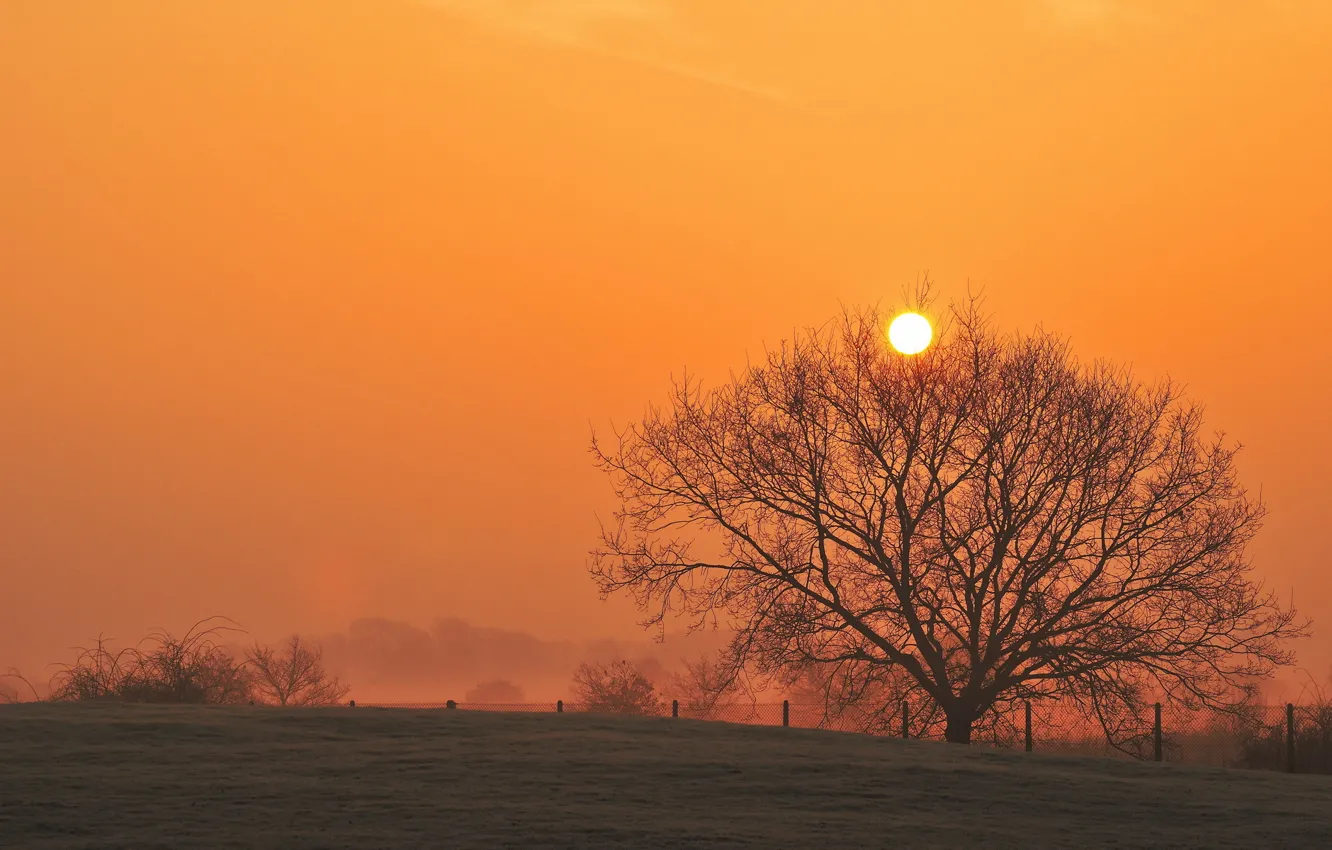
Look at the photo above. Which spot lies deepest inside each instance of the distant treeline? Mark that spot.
(454, 657)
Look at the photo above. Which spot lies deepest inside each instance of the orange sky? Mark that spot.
(306, 306)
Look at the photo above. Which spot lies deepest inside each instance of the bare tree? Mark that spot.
(618, 688)
(989, 520)
(293, 675)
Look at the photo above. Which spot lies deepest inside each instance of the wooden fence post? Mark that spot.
(906, 720)
(1290, 737)
(675, 708)
(1327, 743)
(786, 712)
(559, 705)
(1156, 734)
(1028, 711)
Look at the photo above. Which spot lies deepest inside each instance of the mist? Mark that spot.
(308, 308)
(393, 661)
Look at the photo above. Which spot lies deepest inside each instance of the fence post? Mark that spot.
(1156, 734)
(906, 720)
(1028, 712)
(786, 712)
(1290, 737)
(559, 705)
(1327, 743)
(675, 708)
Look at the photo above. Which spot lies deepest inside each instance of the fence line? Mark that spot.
(1296, 739)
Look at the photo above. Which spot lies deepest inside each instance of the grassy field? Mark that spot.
(146, 776)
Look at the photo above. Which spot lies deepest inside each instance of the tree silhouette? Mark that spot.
(293, 676)
(987, 521)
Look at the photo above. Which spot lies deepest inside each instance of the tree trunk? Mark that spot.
(959, 727)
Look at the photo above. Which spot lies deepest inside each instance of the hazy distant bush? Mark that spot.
(294, 675)
(497, 691)
(706, 686)
(619, 687)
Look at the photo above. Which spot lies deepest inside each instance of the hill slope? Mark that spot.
(81, 776)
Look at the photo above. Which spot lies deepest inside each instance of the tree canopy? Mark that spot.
(990, 520)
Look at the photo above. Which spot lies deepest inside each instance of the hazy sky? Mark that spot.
(307, 306)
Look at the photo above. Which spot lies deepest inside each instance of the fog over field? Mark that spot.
(388, 661)
(308, 308)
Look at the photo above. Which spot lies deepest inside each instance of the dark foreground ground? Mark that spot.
(139, 776)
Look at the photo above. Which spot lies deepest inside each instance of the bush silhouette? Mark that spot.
(617, 688)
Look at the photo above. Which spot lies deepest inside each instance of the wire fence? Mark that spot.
(1295, 739)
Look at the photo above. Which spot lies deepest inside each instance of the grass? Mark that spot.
(153, 776)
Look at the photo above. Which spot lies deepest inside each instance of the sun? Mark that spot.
(910, 333)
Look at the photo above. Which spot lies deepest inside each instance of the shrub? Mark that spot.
(617, 688)
(163, 668)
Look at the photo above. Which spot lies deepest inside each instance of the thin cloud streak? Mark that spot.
(582, 24)
(1105, 20)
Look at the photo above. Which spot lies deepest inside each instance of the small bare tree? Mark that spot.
(988, 521)
(617, 688)
(294, 675)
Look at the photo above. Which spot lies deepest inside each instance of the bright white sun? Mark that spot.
(910, 333)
